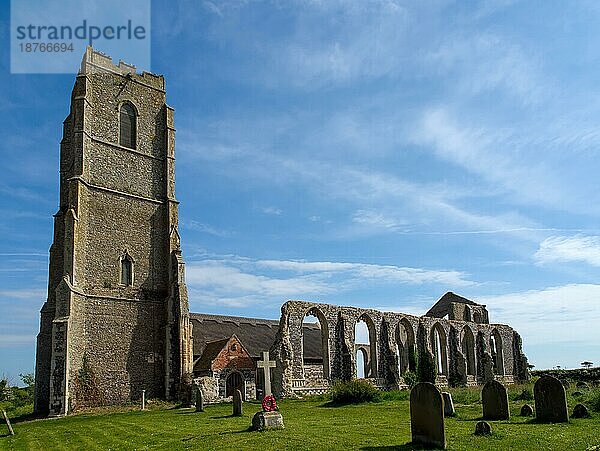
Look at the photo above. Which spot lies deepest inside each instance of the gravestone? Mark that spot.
(427, 416)
(237, 403)
(580, 411)
(483, 428)
(526, 410)
(550, 400)
(266, 365)
(448, 404)
(495, 401)
(199, 400)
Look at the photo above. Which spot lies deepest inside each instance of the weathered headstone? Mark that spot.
(199, 400)
(10, 429)
(495, 401)
(483, 428)
(580, 411)
(526, 410)
(448, 404)
(237, 403)
(550, 400)
(266, 365)
(427, 416)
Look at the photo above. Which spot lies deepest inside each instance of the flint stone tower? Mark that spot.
(117, 297)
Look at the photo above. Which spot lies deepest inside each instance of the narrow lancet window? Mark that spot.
(127, 132)
(126, 270)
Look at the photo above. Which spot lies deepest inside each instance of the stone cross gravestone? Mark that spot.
(199, 400)
(427, 416)
(550, 400)
(448, 404)
(237, 403)
(495, 401)
(266, 365)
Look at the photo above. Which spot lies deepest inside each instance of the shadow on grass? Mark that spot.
(25, 417)
(406, 447)
(226, 416)
(192, 437)
(331, 404)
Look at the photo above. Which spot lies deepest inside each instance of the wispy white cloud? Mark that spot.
(492, 155)
(555, 314)
(274, 211)
(364, 271)
(237, 281)
(377, 220)
(204, 228)
(486, 62)
(578, 248)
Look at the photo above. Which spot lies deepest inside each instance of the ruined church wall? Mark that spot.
(338, 324)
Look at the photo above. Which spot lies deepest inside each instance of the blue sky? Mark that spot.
(374, 153)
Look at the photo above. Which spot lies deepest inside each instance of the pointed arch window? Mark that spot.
(126, 270)
(127, 130)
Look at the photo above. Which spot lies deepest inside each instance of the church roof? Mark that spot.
(210, 353)
(440, 308)
(255, 334)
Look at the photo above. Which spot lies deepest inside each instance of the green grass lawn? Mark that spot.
(309, 425)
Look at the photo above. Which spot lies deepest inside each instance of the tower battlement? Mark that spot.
(94, 61)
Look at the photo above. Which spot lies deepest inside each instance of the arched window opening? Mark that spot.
(235, 381)
(127, 130)
(405, 346)
(362, 362)
(438, 342)
(497, 354)
(365, 340)
(468, 349)
(126, 270)
(315, 346)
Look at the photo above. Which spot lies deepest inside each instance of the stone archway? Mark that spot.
(322, 371)
(235, 381)
(468, 349)
(497, 353)
(372, 344)
(439, 345)
(405, 347)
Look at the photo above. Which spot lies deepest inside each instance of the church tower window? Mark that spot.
(127, 130)
(126, 270)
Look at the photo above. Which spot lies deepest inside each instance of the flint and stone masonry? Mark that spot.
(116, 294)
(466, 352)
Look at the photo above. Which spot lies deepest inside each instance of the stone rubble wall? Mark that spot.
(292, 376)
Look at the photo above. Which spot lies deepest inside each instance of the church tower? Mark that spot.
(116, 320)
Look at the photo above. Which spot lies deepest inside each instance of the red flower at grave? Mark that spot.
(269, 404)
